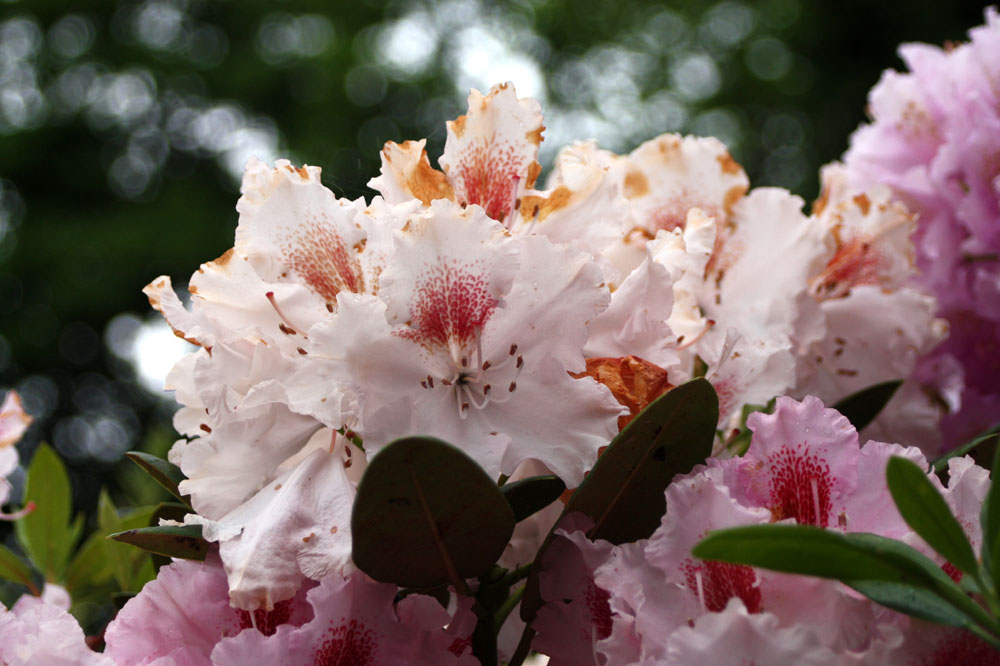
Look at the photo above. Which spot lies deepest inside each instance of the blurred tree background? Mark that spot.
(124, 127)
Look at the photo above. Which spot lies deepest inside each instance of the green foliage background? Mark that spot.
(103, 188)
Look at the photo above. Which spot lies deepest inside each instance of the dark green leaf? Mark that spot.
(912, 600)
(924, 509)
(426, 513)
(862, 407)
(13, 568)
(624, 493)
(799, 549)
(184, 542)
(45, 533)
(941, 464)
(857, 559)
(529, 496)
(164, 473)
(989, 521)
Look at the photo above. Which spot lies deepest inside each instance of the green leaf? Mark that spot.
(989, 521)
(45, 533)
(924, 509)
(13, 568)
(164, 473)
(915, 601)
(125, 561)
(90, 567)
(183, 542)
(529, 496)
(862, 407)
(624, 493)
(856, 559)
(941, 464)
(425, 513)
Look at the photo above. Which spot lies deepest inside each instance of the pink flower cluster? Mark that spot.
(651, 602)
(934, 140)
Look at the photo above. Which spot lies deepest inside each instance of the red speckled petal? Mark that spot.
(491, 152)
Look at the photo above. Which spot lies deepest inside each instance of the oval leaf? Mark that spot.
(624, 494)
(924, 509)
(163, 472)
(862, 407)
(427, 514)
(183, 542)
(46, 533)
(529, 496)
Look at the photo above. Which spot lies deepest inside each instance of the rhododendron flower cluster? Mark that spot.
(482, 414)
(934, 140)
(651, 601)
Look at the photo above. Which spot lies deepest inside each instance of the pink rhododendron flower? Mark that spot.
(934, 140)
(355, 621)
(805, 465)
(34, 632)
(181, 616)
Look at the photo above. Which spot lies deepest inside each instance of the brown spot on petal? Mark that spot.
(457, 126)
(541, 207)
(307, 539)
(633, 381)
(636, 184)
(728, 164)
(534, 169)
(333, 530)
(427, 183)
(734, 194)
(535, 135)
(863, 202)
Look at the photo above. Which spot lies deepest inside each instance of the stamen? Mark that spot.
(513, 350)
(513, 385)
(520, 362)
(815, 489)
(430, 381)
(508, 220)
(17, 515)
(486, 365)
(708, 327)
(701, 589)
(253, 620)
(286, 324)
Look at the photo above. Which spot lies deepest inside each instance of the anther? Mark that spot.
(430, 381)
(513, 350)
(486, 389)
(423, 382)
(513, 385)
(520, 362)
(465, 361)
(486, 365)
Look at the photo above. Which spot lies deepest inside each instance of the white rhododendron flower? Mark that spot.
(471, 338)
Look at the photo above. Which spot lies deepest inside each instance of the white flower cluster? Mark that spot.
(522, 324)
